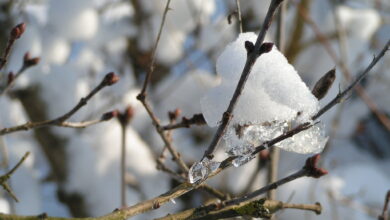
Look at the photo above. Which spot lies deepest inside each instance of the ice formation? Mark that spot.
(274, 98)
(200, 170)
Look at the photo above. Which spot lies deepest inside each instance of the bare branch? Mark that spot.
(108, 80)
(239, 15)
(15, 34)
(196, 119)
(385, 215)
(261, 208)
(342, 95)
(151, 67)
(4, 178)
(359, 89)
(142, 98)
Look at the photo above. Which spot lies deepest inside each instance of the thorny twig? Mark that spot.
(253, 53)
(4, 178)
(108, 80)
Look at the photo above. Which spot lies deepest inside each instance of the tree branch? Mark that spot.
(108, 80)
(196, 119)
(261, 208)
(385, 215)
(14, 34)
(4, 178)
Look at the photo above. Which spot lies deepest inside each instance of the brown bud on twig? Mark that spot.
(110, 79)
(11, 78)
(173, 115)
(125, 117)
(266, 47)
(28, 61)
(264, 155)
(197, 119)
(109, 115)
(323, 85)
(312, 169)
(249, 46)
(17, 31)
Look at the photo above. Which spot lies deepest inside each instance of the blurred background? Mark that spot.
(76, 172)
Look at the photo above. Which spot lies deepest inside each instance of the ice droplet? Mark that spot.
(201, 170)
(197, 172)
(172, 200)
(241, 160)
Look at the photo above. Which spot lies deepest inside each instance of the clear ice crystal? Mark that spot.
(201, 170)
(243, 154)
(253, 135)
(312, 140)
(243, 159)
(242, 139)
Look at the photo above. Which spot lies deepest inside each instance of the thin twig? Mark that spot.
(4, 178)
(15, 34)
(196, 119)
(151, 67)
(142, 98)
(108, 80)
(385, 215)
(251, 59)
(27, 63)
(124, 119)
(275, 152)
(82, 124)
(160, 131)
(123, 165)
(269, 187)
(239, 15)
(359, 89)
(342, 95)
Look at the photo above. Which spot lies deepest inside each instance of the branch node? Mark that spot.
(249, 46)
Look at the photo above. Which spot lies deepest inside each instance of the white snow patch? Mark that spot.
(274, 95)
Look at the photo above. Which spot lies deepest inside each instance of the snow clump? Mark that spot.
(274, 98)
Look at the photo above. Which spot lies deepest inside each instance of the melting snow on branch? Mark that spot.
(274, 98)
